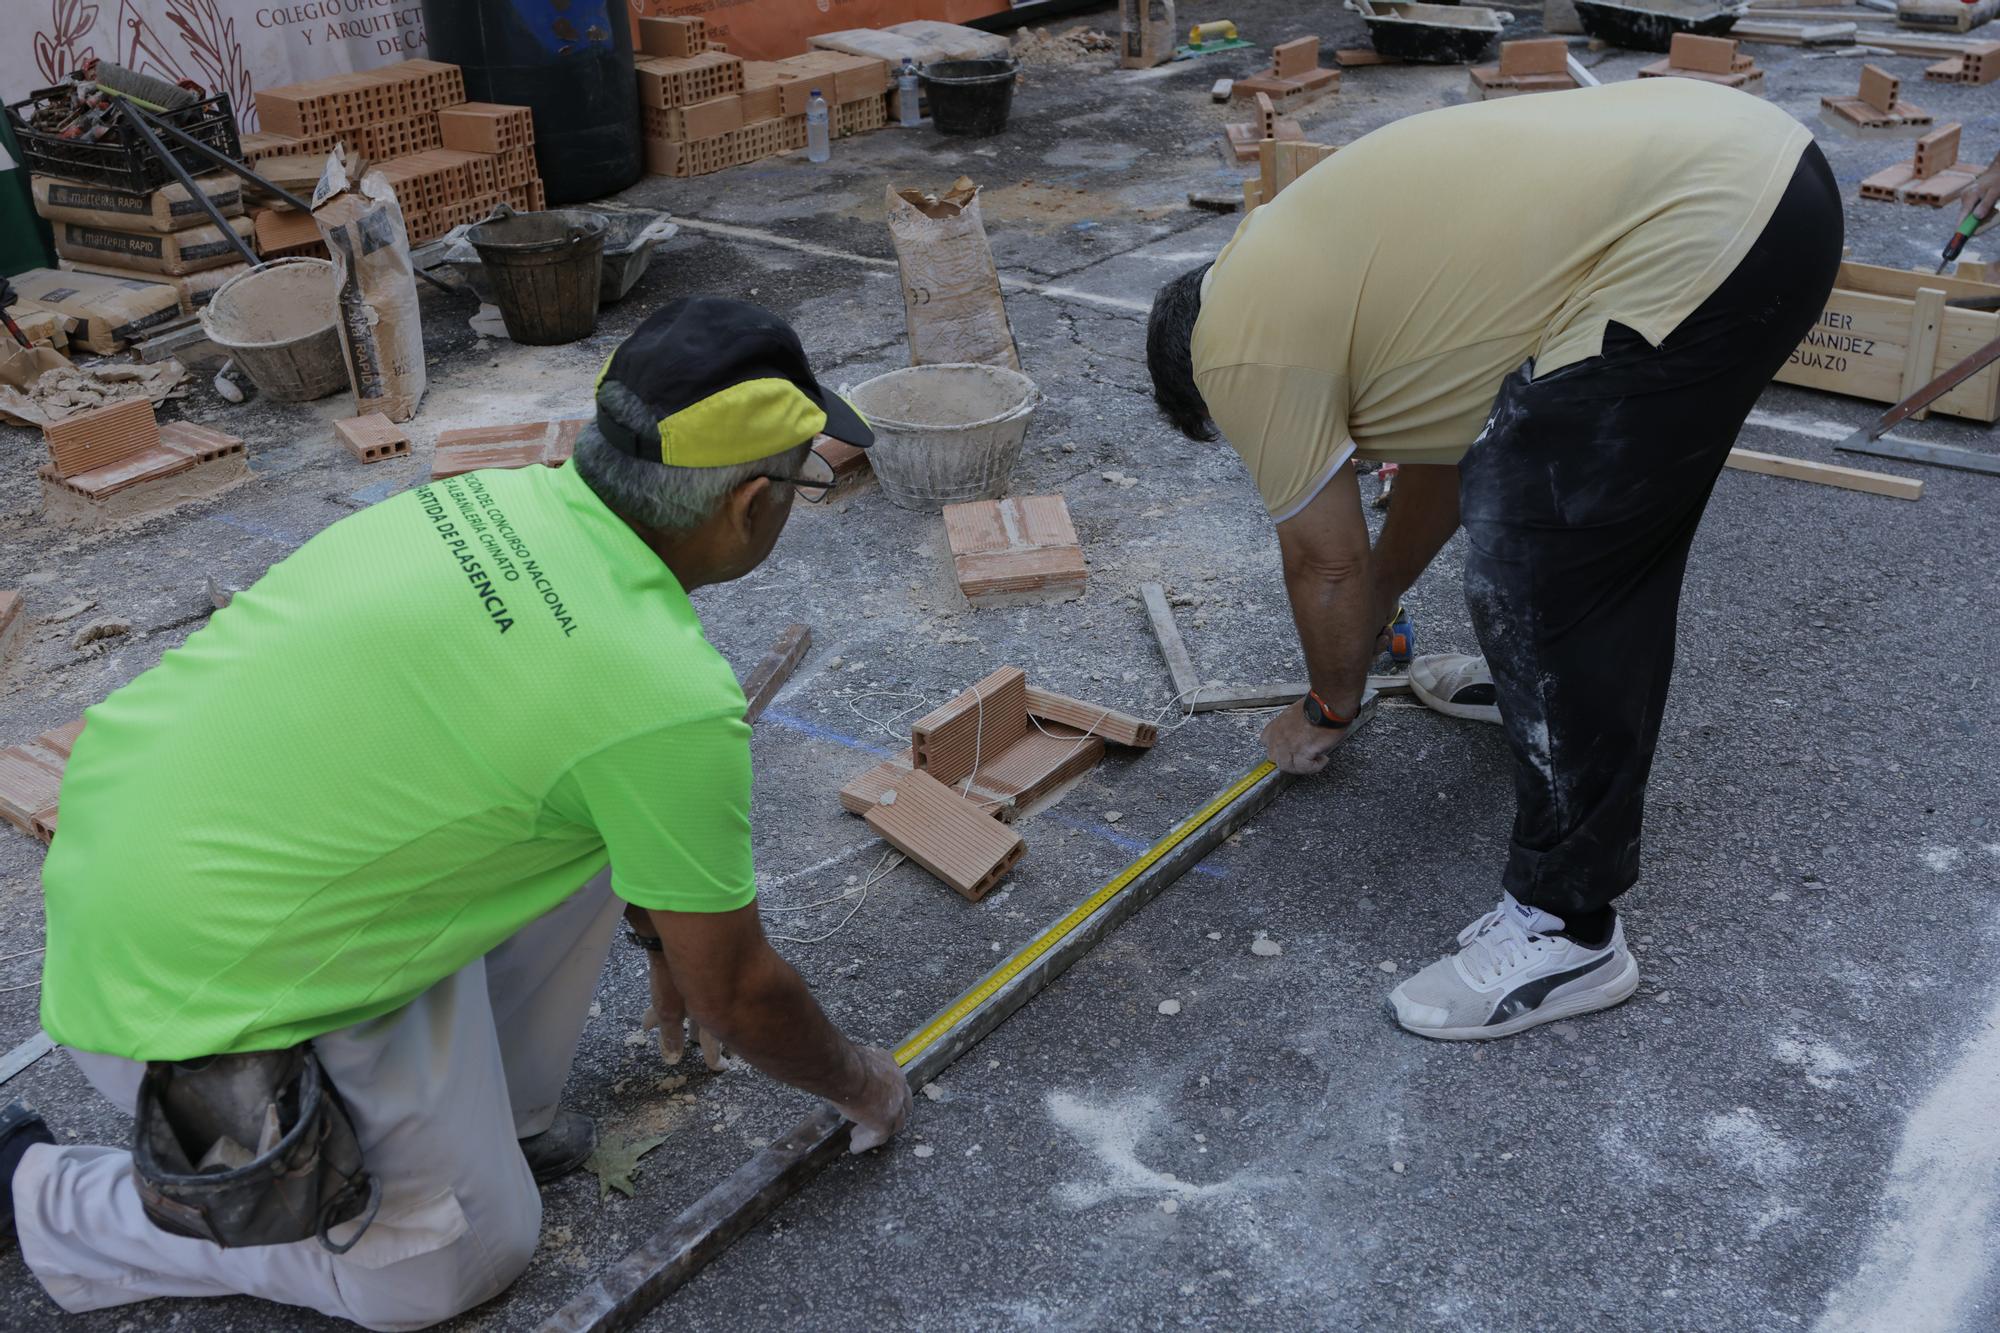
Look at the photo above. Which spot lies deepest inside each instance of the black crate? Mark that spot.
(121, 158)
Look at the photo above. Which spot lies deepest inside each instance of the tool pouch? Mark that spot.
(252, 1149)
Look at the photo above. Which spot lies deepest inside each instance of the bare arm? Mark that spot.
(1422, 517)
(1342, 591)
(736, 986)
(1329, 578)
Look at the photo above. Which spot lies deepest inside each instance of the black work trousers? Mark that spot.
(1580, 500)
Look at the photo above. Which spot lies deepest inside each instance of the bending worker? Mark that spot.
(1555, 312)
(352, 839)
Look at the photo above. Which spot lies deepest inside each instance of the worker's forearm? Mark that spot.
(1423, 513)
(1335, 613)
(771, 1019)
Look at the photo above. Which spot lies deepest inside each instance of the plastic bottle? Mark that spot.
(906, 95)
(816, 131)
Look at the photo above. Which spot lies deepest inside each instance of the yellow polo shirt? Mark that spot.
(1382, 297)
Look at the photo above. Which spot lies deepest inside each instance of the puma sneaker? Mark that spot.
(1513, 970)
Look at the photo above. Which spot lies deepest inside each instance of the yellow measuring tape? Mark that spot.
(929, 1035)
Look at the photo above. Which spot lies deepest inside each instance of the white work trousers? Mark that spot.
(439, 1092)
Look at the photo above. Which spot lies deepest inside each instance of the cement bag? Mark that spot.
(951, 292)
(381, 329)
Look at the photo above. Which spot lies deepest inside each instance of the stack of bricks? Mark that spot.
(702, 110)
(1932, 177)
(31, 780)
(1977, 64)
(973, 765)
(1709, 59)
(449, 160)
(120, 447)
(1294, 78)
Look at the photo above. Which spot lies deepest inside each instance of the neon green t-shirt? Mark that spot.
(421, 731)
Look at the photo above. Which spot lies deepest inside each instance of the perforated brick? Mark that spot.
(486, 127)
(101, 436)
(372, 438)
(677, 81)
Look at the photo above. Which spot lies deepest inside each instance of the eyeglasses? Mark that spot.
(811, 491)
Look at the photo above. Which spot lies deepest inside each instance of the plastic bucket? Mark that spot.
(543, 268)
(970, 97)
(946, 434)
(277, 322)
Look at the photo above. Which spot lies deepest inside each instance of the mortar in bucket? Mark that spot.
(543, 269)
(945, 434)
(277, 322)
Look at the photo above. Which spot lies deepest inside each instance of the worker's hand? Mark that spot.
(1982, 196)
(668, 1013)
(883, 1105)
(1296, 745)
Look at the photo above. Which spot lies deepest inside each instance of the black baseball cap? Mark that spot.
(724, 382)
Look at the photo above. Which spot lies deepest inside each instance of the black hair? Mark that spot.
(1169, 335)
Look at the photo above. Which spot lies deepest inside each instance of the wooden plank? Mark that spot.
(1920, 362)
(1827, 474)
(1114, 726)
(1180, 667)
(933, 826)
(624, 1294)
(776, 667)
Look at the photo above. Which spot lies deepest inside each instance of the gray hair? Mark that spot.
(665, 499)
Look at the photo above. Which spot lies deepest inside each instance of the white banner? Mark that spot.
(232, 46)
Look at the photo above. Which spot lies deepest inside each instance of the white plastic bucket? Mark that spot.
(946, 434)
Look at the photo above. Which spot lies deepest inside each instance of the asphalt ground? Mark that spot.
(1790, 1126)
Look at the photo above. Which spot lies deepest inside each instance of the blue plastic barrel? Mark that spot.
(571, 61)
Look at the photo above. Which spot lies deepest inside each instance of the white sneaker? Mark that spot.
(1455, 684)
(1512, 972)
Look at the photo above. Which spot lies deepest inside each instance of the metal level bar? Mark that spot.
(1939, 455)
(637, 1283)
(29, 1051)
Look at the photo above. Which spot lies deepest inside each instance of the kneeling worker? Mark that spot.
(1555, 312)
(330, 899)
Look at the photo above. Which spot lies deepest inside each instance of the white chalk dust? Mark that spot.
(1111, 1131)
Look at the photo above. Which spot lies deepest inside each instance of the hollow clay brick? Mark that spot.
(102, 435)
(954, 740)
(938, 830)
(372, 438)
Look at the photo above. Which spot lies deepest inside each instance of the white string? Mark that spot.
(890, 860)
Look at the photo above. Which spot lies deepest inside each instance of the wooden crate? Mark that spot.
(1886, 333)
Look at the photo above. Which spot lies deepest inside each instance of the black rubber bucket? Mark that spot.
(970, 97)
(1643, 27)
(544, 271)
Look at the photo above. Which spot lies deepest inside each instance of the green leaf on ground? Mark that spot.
(614, 1161)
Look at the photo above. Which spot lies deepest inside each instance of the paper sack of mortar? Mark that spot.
(951, 291)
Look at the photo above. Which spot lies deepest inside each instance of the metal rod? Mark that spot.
(1938, 455)
(137, 119)
(663, 1263)
(224, 160)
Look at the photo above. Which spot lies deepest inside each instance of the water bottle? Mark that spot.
(816, 134)
(906, 94)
